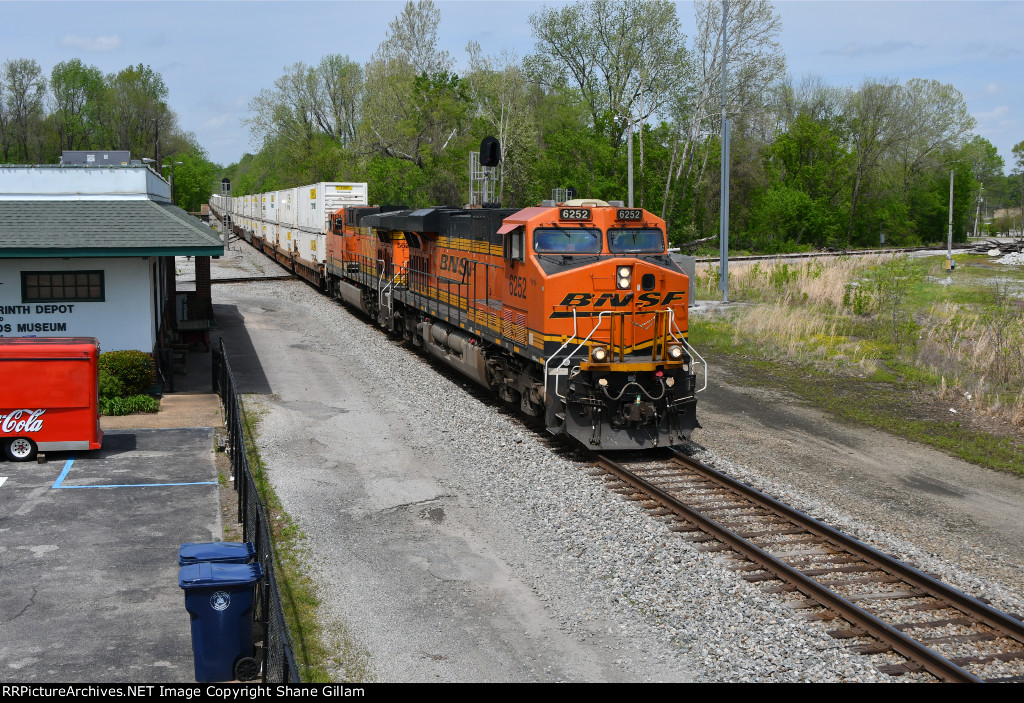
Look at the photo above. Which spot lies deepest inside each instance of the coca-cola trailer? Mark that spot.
(49, 395)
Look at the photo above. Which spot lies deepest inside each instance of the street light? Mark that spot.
(172, 165)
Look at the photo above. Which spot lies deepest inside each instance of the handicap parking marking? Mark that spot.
(59, 483)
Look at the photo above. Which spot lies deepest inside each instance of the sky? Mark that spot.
(216, 56)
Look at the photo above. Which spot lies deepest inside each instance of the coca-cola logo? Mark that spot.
(23, 420)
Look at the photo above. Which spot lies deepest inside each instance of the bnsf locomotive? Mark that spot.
(575, 311)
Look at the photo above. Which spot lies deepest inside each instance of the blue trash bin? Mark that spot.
(220, 598)
(216, 552)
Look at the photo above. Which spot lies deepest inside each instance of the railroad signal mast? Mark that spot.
(484, 173)
(225, 191)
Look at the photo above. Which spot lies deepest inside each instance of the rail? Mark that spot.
(278, 652)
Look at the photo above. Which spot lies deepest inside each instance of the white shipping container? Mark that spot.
(286, 237)
(306, 244)
(318, 200)
(269, 207)
(286, 207)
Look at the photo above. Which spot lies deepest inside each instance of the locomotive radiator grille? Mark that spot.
(513, 326)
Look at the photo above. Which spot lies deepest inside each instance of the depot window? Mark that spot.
(636, 240)
(567, 240)
(62, 286)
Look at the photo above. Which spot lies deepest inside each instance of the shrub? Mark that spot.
(131, 404)
(110, 387)
(134, 369)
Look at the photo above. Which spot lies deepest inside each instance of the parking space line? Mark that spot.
(2, 479)
(67, 467)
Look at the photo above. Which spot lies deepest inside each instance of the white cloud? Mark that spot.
(889, 46)
(992, 88)
(92, 44)
(997, 121)
(220, 121)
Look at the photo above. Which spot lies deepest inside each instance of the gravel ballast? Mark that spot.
(453, 542)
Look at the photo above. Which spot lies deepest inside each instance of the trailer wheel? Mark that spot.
(20, 449)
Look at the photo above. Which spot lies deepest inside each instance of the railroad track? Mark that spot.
(887, 605)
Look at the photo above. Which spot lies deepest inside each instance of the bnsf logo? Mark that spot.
(455, 264)
(617, 300)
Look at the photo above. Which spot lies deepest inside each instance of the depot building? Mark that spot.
(88, 251)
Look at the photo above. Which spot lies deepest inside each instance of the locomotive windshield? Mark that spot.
(567, 240)
(636, 240)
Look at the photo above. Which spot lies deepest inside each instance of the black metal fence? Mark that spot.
(278, 654)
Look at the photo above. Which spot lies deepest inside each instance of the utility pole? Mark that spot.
(723, 237)
(977, 211)
(629, 156)
(950, 265)
(156, 121)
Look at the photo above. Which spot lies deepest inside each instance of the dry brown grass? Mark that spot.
(802, 311)
(810, 281)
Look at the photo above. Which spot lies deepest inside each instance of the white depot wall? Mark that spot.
(124, 320)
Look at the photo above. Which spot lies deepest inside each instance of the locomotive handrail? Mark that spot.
(689, 346)
(569, 357)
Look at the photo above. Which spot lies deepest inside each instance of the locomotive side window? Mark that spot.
(514, 245)
(636, 240)
(567, 240)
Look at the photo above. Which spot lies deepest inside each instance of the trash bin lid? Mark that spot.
(208, 575)
(237, 552)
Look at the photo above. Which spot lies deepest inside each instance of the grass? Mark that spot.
(323, 654)
(889, 342)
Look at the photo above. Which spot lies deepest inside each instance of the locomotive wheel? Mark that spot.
(20, 449)
(246, 669)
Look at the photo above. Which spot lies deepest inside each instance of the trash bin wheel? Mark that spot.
(20, 449)
(246, 669)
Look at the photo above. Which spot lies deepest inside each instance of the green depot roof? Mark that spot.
(80, 228)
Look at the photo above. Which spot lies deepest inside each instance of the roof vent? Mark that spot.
(547, 203)
(616, 203)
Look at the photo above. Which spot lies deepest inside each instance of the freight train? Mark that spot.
(573, 311)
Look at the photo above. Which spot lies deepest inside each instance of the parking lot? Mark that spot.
(88, 553)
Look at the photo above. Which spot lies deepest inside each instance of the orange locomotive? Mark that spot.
(573, 311)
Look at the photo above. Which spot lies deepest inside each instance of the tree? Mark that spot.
(194, 179)
(755, 62)
(24, 89)
(807, 169)
(873, 117)
(627, 59)
(414, 107)
(138, 109)
(932, 117)
(500, 95)
(78, 96)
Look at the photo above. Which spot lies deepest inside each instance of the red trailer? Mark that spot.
(49, 395)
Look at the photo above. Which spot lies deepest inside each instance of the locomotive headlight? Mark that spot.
(625, 275)
(599, 354)
(675, 352)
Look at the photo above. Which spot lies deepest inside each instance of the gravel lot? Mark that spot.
(453, 542)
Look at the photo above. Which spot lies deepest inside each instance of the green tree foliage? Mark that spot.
(195, 178)
(79, 100)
